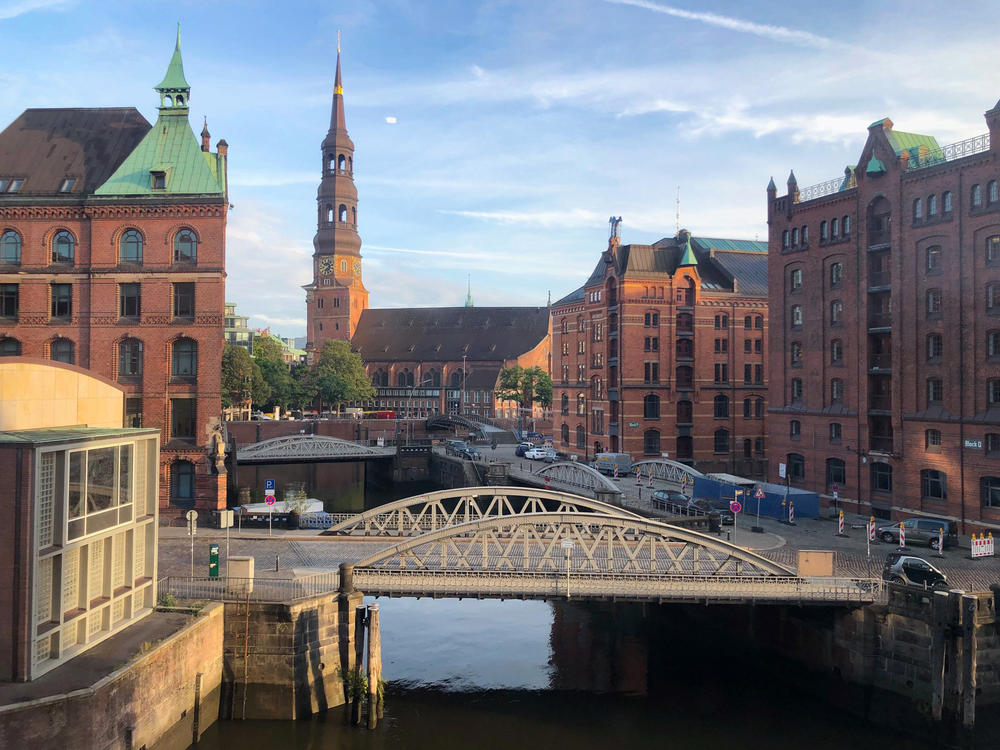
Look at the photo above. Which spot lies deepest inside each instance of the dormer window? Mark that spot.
(158, 180)
(10, 184)
(67, 185)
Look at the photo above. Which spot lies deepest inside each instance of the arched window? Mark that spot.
(836, 274)
(341, 162)
(651, 406)
(989, 492)
(721, 406)
(10, 247)
(342, 211)
(685, 376)
(130, 358)
(796, 354)
(834, 228)
(933, 485)
(946, 202)
(185, 247)
(685, 322)
(918, 209)
(836, 352)
(685, 447)
(409, 379)
(385, 379)
(931, 205)
(795, 429)
(61, 350)
(435, 376)
(581, 437)
(184, 359)
(10, 348)
(721, 442)
(564, 403)
(354, 215)
(935, 347)
(564, 433)
(182, 484)
(63, 247)
(845, 226)
(596, 389)
(836, 472)
(933, 259)
(685, 348)
(822, 231)
(401, 380)
(651, 442)
(685, 412)
(130, 247)
(976, 196)
(796, 315)
(796, 389)
(329, 214)
(993, 195)
(836, 390)
(758, 322)
(836, 312)
(581, 405)
(796, 466)
(747, 323)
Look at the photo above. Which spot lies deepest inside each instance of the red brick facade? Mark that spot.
(653, 357)
(885, 360)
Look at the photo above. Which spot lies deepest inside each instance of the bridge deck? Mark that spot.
(618, 587)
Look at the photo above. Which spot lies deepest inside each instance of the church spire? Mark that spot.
(338, 123)
(468, 296)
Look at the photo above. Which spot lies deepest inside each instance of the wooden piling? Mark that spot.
(376, 697)
(969, 605)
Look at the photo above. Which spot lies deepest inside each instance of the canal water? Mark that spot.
(583, 676)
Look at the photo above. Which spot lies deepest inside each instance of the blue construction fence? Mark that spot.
(806, 503)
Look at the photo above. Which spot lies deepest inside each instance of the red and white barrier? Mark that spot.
(902, 536)
(840, 524)
(871, 529)
(650, 476)
(638, 476)
(616, 471)
(983, 546)
(791, 512)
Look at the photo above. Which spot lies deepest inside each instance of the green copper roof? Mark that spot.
(174, 79)
(901, 141)
(875, 166)
(688, 259)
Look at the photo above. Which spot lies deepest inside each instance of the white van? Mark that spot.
(606, 463)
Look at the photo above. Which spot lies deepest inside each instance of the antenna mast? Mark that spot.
(678, 229)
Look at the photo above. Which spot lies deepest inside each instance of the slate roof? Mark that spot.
(444, 334)
(720, 263)
(45, 146)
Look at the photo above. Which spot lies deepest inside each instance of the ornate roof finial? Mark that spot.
(174, 80)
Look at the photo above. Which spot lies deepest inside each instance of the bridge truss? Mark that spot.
(306, 447)
(600, 556)
(666, 470)
(446, 509)
(577, 474)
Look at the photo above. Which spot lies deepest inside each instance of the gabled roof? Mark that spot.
(577, 295)
(445, 334)
(748, 269)
(45, 146)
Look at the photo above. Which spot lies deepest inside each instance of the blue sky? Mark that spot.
(520, 126)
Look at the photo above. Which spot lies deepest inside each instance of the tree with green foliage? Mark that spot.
(341, 375)
(242, 381)
(269, 349)
(279, 382)
(304, 387)
(525, 387)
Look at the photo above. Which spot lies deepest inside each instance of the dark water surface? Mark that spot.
(492, 674)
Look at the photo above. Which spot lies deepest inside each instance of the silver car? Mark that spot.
(919, 531)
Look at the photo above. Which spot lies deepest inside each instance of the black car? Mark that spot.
(716, 505)
(523, 448)
(670, 500)
(912, 571)
(470, 453)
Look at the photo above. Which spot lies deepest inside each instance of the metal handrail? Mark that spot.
(970, 146)
(256, 589)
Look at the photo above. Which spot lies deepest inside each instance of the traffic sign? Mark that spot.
(269, 499)
(735, 506)
(835, 487)
(268, 486)
(759, 492)
(191, 515)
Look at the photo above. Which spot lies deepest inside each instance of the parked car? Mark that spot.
(523, 448)
(556, 456)
(670, 500)
(454, 447)
(921, 531)
(607, 462)
(913, 571)
(536, 454)
(716, 505)
(470, 453)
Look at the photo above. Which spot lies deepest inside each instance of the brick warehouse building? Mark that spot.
(885, 365)
(112, 257)
(662, 351)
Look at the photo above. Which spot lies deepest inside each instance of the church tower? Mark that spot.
(336, 296)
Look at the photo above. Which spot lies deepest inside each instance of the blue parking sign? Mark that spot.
(269, 486)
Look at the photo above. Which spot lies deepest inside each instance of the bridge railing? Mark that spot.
(636, 586)
(229, 589)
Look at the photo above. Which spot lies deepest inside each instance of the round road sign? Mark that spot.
(735, 506)
(269, 499)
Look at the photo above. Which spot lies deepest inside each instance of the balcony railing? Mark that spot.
(880, 320)
(878, 237)
(975, 145)
(829, 187)
(880, 403)
(879, 278)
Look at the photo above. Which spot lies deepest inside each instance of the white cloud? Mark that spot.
(574, 217)
(21, 7)
(390, 120)
(777, 33)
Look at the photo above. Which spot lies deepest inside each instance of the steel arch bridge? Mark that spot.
(307, 448)
(577, 474)
(547, 555)
(666, 470)
(445, 509)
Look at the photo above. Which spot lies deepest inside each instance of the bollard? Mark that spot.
(840, 525)
(376, 696)
(275, 563)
